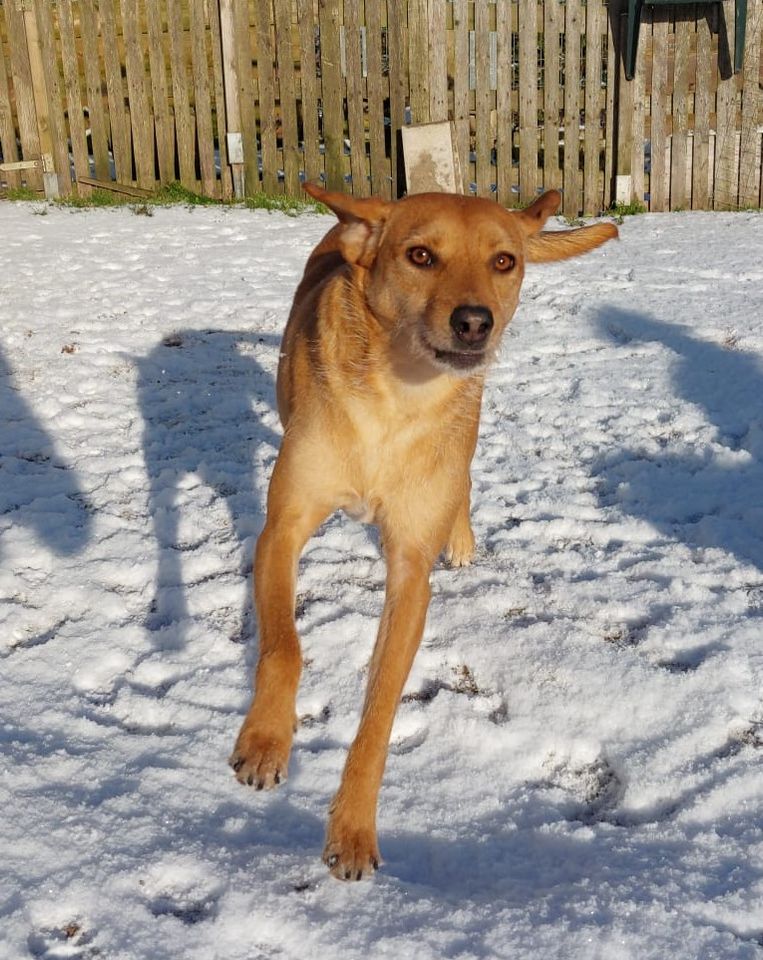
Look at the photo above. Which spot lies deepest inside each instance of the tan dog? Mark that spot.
(398, 314)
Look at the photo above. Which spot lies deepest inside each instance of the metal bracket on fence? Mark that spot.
(19, 165)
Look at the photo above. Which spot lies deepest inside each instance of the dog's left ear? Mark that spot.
(558, 244)
(361, 219)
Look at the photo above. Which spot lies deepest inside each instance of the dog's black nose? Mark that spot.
(471, 325)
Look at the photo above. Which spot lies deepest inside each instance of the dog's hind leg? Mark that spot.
(261, 754)
(459, 550)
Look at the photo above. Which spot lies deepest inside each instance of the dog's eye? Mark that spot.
(504, 262)
(421, 257)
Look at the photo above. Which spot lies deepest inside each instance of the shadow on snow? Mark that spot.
(206, 401)
(710, 496)
(38, 489)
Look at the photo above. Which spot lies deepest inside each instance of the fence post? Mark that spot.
(233, 135)
(40, 94)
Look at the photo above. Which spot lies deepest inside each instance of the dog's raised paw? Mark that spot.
(260, 761)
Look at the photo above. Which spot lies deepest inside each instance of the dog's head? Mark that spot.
(443, 272)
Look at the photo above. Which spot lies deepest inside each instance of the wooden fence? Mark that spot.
(238, 96)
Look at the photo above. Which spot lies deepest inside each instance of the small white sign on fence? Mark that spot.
(431, 160)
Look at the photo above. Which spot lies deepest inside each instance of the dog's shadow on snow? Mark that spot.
(708, 496)
(208, 406)
(39, 490)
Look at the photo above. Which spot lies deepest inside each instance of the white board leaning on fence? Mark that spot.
(431, 159)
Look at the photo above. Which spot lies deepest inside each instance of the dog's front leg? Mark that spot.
(351, 849)
(261, 754)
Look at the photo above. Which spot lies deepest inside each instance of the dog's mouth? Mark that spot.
(461, 361)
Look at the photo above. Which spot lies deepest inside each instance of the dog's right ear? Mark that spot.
(362, 220)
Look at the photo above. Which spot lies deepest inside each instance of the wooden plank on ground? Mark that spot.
(24, 94)
(127, 189)
(752, 112)
(397, 40)
(355, 115)
(553, 18)
(121, 145)
(703, 99)
(725, 188)
(309, 90)
(332, 98)
(8, 146)
(679, 157)
(659, 166)
(185, 127)
(483, 139)
(165, 129)
(504, 119)
(572, 200)
(594, 22)
(461, 85)
(99, 134)
(141, 118)
(378, 90)
(202, 99)
(528, 104)
(292, 157)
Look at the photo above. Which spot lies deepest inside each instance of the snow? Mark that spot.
(575, 767)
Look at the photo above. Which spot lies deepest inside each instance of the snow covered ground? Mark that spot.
(576, 766)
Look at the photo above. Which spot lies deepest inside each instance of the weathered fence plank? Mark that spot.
(483, 133)
(528, 103)
(461, 111)
(8, 146)
(378, 91)
(292, 157)
(121, 144)
(660, 163)
(703, 97)
(504, 180)
(355, 116)
(59, 146)
(332, 93)
(90, 57)
(572, 180)
(752, 116)
(165, 130)
(725, 188)
(309, 91)
(592, 191)
(23, 93)
(553, 14)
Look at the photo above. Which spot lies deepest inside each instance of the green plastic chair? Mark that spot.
(634, 18)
